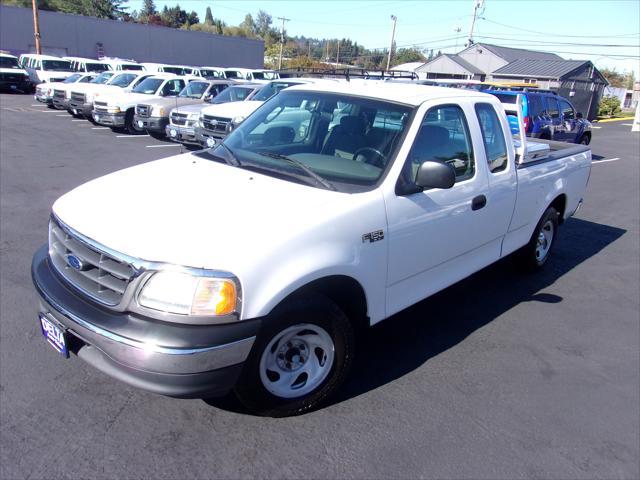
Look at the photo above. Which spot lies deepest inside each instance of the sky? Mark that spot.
(607, 32)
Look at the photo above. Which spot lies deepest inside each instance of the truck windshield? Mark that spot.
(264, 75)
(208, 73)
(9, 62)
(123, 80)
(102, 78)
(270, 89)
(233, 74)
(97, 67)
(194, 90)
(57, 65)
(348, 141)
(232, 94)
(131, 66)
(72, 78)
(149, 86)
(174, 70)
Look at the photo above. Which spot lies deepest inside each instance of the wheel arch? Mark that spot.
(560, 204)
(345, 291)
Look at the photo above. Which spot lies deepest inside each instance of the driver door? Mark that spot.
(438, 236)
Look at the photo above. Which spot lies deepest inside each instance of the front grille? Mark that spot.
(102, 277)
(59, 93)
(143, 110)
(178, 118)
(216, 124)
(78, 97)
(11, 77)
(100, 107)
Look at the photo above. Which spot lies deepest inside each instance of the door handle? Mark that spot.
(478, 202)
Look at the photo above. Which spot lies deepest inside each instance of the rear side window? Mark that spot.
(444, 137)
(552, 107)
(172, 88)
(567, 110)
(535, 105)
(493, 137)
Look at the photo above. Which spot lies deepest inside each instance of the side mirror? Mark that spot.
(579, 115)
(432, 174)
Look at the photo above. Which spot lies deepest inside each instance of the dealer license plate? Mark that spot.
(54, 334)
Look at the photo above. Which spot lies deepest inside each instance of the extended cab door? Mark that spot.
(439, 236)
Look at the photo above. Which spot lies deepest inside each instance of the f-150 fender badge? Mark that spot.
(373, 236)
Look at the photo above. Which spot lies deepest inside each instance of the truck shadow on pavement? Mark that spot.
(407, 340)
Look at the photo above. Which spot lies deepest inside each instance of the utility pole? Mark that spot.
(36, 26)
(477, 5)
(281, 40)
(457, 30)
(393, 35)
(338, 55)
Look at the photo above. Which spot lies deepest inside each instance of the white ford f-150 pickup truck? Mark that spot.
(253, 265)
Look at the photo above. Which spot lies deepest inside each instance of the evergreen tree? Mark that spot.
(208, 17)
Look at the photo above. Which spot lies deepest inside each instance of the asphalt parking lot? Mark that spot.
(500, 376)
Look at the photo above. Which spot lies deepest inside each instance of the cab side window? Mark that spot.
(443, 137)
(172, 88)
(552, 108)
(567, 110)
(493, 137)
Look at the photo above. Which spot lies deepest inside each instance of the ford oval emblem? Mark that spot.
(74, 262)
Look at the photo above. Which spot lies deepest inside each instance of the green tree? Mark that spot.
(407, 55)
(148, 8)
(609, 106)
(614, 78)
(208, 17)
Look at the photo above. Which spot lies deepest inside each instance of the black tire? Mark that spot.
(585, 140)
(129, 126)
(530, 257)
(317, 311)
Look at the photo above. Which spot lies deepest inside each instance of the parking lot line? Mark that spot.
(62, 115)
(627, 124)
(100, 128)
(79, 120)
(48, 111)
(163, 146)
(593, 126)
(132, 136)
(606, 160)
(38, 105)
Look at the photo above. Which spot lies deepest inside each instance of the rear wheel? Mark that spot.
(302, 355)
(535, 254)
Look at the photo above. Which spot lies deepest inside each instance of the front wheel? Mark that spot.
(130, 126)
(535, 254)
(302, 355)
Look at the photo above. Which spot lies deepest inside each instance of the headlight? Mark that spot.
(238, 120)
(115, 109)
(49, 92)
(89, 97)
(194, 116)
(184, 294)
(159, 111)
(201, 121)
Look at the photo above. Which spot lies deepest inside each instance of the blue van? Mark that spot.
(548, 116)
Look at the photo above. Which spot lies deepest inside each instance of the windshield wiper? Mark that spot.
(231, 159)
(321, 181)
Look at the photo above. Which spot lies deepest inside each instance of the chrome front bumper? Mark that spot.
(166, 358)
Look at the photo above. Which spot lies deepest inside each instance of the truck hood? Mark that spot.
(197, 108)
(170, 102)
(190, 211)
(46, 76)
(121, 98)
(232, 109)
(17, 71)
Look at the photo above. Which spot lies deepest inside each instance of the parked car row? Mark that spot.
(32, 69)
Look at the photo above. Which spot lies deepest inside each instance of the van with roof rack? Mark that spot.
(45, 68)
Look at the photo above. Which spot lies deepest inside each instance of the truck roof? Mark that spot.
(394, 92)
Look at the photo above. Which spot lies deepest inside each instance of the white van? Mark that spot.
(45, 68)
(79, 64)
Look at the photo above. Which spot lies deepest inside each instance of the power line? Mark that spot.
(563, 44)
(554, 33)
